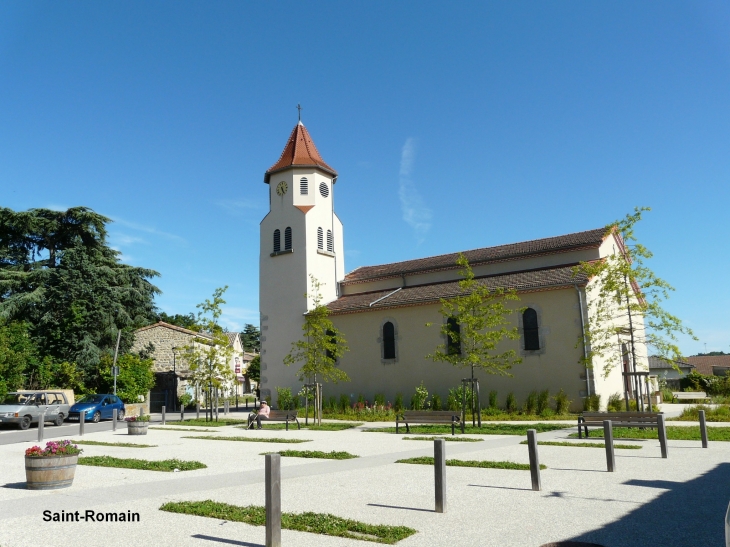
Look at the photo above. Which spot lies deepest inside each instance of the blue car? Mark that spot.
(96, 408)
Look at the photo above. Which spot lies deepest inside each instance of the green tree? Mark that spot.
(18, 354)
(209, 358)
(624, 303)
(251, 338)
(321, 344)
(254, 370)
(186, 321)
(135, 378)
(58, 274)
(476, 323)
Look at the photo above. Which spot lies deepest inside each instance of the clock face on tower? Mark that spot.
(281, 188)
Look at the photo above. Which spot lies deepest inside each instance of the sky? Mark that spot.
(453, 125)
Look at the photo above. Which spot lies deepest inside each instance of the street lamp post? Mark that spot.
(210, 387)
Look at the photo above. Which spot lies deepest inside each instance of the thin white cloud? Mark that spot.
(415, 212)
(125, 239)
(148, 230)
(234, 318)
(237, 207)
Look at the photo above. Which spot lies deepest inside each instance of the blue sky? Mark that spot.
(452, 125)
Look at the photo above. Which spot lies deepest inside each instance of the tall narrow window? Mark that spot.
(453, 344)
(320, 239)
(332, 340)
(330, 242)
(287, 239)
(388, 340)
(303, 186)
(277, 241)
(531, 330)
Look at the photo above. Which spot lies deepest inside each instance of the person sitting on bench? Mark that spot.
(262, 413)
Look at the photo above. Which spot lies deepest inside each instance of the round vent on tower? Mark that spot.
(324, 189)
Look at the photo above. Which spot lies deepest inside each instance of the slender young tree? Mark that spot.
(320, 346)
(209, 359)
(624, 301)
(477, 321)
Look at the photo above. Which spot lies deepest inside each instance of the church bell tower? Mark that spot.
(301, 237)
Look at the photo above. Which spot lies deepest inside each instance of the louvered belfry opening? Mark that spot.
(303, 186)
(388, 340)
(287, 239)
(330, 242)
(277, 241)
(320, 239)
(531, 329)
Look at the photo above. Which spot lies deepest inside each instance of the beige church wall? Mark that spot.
(479, 270)
(164, 339)
(554, 367)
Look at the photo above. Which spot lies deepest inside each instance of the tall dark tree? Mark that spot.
(251, 338)
(186, 321)
(58, 274)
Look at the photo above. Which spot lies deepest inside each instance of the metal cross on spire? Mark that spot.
(299, 108)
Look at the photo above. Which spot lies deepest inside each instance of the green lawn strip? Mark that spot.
(674, 433)
(428, 460)
(454, 438)
(486, 429)
(182, 429)
(202, 423)
(587, 445)
(250, 439)
(147, 465)
(692, 414)
(315, 523)
(314, 454)
(123, 445)
(326, 426)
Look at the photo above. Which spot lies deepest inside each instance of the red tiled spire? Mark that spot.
(299, 151)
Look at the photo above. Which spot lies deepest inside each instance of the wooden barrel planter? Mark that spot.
(50, 472)
(137, 428)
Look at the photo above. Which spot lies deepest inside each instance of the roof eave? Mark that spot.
(267, 175)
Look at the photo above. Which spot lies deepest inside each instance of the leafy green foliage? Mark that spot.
(592, 403)
(483, 319)
(511, 403)
(18, 353)
(254, 370)
(531, 403)
(284, 399)
(186, 321)
(713, 385)
(251, 338)
(135, 378)
(321, 344)
(316, 523)
(419, 398)
(615, 403)
(674, 433)
(486, 429)
(720, 413)
(624, 303)
(562, 403)
(486, 464)
(147, 465)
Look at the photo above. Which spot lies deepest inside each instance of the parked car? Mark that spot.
(25, 408)
(96, 408)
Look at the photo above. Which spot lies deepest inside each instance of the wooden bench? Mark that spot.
(689, 395)
(427, 417)
(618, 419)
(278, 416)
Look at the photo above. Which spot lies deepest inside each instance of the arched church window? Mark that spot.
(330, 242)
(531, 329)
(453, 344)
(320, 239)
(324, 189)
(277, 240)
(303, 186)
(388, 340)
(287, 239)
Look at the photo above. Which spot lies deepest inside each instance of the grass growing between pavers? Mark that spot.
(674, 433)
(452, 439)
(587, 445)
(315, 523)
(122, 445)
(486, 429)
(146, 465)
(428, 460)
(334, 455)
(250, 439)
(326, 426)
(182, 429)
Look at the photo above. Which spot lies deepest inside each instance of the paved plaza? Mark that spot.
(679, 501)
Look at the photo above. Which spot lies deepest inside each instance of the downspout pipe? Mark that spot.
(583, 335)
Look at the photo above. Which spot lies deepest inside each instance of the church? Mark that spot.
(382, 310)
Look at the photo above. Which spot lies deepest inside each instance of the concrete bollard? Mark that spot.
(182, 413)
(115, 419)
(534, 460)
(226, 406)
(197, 411)
(703, 429)
(82, 421)
(273, 500)
(727, 527)
(662, 428)
(608, 438)
(439, 467)
(41, 426)
(163, 415)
